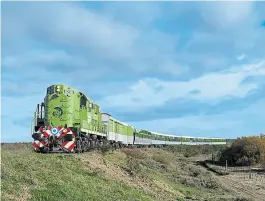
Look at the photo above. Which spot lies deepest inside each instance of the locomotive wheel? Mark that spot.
(78, 146)
(82, 147)
(92, 144)
(44, 150)
(50, 147)
(100, 144)
(97, 144)
(86, 146)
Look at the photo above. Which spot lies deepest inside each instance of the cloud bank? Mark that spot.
(189, 68)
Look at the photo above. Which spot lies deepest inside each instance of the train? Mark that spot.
(68, 121)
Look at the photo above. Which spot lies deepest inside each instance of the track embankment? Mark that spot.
(126, 174)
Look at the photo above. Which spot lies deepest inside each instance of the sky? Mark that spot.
(184, 68)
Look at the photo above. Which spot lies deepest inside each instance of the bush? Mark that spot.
(106, 148)
(199, 180)
(263, 162)
(244, 151)
(135, 153)
(189, 151)
(162, 158)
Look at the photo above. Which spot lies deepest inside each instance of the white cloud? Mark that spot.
(229, 124)
(99, 37)
(229, 28)
(174, 68)
(177, 126)
(241, 57)
(138, 14)
(82, 27)
(106, 46)
(72, 24)
(41, 57)
(226, 14)
(213, 87)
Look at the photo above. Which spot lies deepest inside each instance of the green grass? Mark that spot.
(57, 177)
(127, 174)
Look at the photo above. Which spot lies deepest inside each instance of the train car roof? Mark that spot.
(121, 122)
(168, 135)
(172, 135)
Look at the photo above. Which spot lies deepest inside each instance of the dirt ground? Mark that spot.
(240, 183)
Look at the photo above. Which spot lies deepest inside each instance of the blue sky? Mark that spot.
(187, 68)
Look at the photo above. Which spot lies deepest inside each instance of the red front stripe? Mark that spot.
(70, 148)
(35, 145)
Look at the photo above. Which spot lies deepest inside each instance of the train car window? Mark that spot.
(82, 101)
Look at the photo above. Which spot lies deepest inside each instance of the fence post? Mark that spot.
(250, 171)
(225, 165)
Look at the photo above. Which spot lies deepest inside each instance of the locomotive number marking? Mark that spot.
(68, 92)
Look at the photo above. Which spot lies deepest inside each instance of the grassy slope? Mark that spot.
(128, 174)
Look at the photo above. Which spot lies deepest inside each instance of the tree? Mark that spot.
(245, 151)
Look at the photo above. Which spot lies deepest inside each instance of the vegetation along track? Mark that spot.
(147, 174)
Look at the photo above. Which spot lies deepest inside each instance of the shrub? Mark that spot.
(194, 171)
(202, 180)
(106, 148)
(134, 166)
(135, 153)
(244, 151)
(189, 151)
(162, 158)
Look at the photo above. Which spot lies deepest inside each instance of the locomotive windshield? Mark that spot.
(50, 90)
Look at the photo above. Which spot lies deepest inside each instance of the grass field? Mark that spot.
(126, 174)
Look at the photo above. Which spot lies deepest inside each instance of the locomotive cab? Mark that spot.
(39, 116)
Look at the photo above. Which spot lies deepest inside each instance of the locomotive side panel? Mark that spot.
(130, 131)
(91, 117)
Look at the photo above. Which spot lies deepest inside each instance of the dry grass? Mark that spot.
(31, 176)
(126, 174)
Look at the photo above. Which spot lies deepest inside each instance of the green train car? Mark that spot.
(67, 120)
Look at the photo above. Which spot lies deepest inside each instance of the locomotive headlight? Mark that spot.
(58, 88)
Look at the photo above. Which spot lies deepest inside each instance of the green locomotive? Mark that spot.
(69, 121)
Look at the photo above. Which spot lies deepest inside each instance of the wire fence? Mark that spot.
(248, 173)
